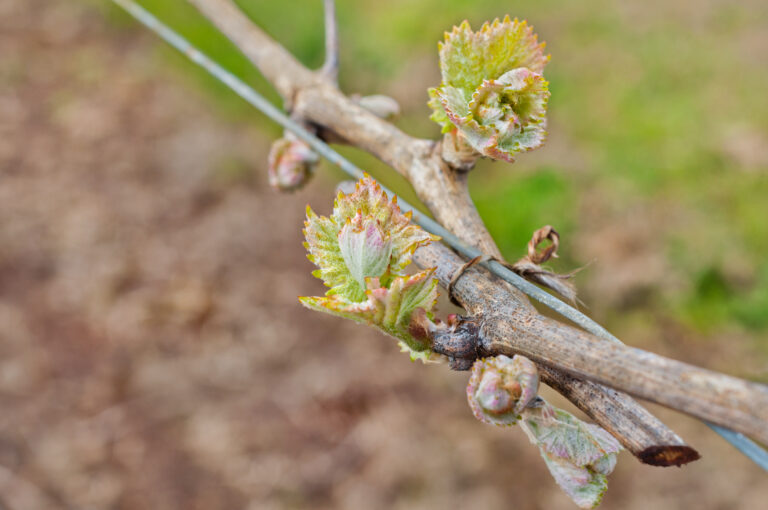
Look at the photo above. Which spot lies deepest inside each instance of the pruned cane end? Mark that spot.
(668, 455)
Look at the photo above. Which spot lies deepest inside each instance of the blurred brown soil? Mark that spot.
(152, 350)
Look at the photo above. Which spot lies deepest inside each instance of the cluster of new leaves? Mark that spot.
(361, 251)
(493, 97)
(579, 455)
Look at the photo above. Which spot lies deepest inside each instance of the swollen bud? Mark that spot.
(501, 387)
(380, 105)
(291, 163)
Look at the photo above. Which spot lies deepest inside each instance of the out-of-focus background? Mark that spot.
(152, 350)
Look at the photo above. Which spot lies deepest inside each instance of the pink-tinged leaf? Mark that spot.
(337, 305)
(579, 455)
(368, 205)
(504, 116)
(583, 485)
(365, 248)
(391, 310)
(322, 235)
(493, 91)
(369, 199)
(361, 251)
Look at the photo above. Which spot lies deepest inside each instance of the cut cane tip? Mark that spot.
(668, 455)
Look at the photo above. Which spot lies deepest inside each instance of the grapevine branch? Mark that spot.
(285, 84)
(720, 399)
(318, 101)
(708, 395)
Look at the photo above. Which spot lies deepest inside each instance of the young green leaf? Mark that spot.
(361, 251)
(579, 455)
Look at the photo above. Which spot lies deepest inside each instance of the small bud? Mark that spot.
(291, 163)
(382, 106)
(501, 387)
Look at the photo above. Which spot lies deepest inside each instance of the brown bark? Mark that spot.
(717, 398)
(640, 432)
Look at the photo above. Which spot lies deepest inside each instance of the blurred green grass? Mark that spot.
(655, 103)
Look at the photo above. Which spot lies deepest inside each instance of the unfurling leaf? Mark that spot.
(501, 387)
(291, 163)
(361, 251)
(579, 455)
(493, 94)
(365, 247)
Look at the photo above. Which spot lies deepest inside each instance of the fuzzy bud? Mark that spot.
(291, 163)
(380, 105)
(501, 387)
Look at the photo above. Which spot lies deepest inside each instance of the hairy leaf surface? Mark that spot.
(361, 251)
(493, 93)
